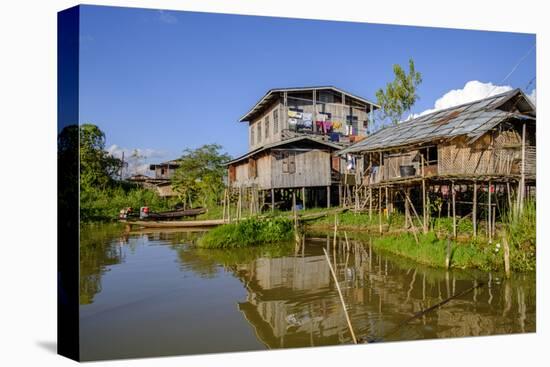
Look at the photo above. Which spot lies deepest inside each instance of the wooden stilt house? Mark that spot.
(486, 145)
(293, 133)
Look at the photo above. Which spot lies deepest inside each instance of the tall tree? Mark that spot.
(97, 166)
(400, 94)
(200, 176)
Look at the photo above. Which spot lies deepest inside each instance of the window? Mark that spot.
(353, 121)
(251, 134)
(276, 120)
(266, 127)
(252, 171)
(258, 132)
(289, 162)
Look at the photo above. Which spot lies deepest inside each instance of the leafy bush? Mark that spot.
(249, 232)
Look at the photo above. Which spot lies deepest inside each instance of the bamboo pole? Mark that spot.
(506, 256)
(328, 196)
(304, 197)
(370, 191)
(448, 255)
(335, 229)
(522, 183)
(224, 204)
(474, 210)
(380, 209)
(272, 200)
(294, 209)
(489, 219)
(387, 204)
(341, 296)
(454, 208)
(424, 210)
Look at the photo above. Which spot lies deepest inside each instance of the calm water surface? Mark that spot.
(154, 294)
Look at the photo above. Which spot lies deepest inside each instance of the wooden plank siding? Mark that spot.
(312, 168)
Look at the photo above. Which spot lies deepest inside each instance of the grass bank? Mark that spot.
(248, 232)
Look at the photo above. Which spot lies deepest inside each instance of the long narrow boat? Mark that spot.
(176, 223)
(179, 213)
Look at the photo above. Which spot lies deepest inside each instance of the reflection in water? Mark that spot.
(163, 296)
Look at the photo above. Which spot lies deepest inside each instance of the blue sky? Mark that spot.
(163, 81)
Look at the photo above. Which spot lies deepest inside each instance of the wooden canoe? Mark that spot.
(176, 223)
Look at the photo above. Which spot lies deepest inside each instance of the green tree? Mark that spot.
(97, 166)
(200, 176)
(400, 94)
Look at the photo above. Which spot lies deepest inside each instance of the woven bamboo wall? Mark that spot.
(495, 153)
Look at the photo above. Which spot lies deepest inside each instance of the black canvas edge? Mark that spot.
(68, 226)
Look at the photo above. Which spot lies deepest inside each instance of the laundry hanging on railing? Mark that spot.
(294, 114)
(350, 162)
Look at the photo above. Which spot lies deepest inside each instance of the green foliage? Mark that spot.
(200, 175)
(249, 232)
(97, 166)
(98, 204)
(432, 250)
(521, 231)
(400, 94)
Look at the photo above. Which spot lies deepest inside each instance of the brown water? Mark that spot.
(155, 294)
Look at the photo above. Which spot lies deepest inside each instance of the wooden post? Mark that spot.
(474, 210)
(370, 202)
(522, 183)
(239, 210)
(489, 212)
(335, 229)
(272, 200)
(294, 202)
(224, 204)
(454, 208)
(340, 195)
(380, 209)
(229, 205)
(448, 255)
(407, 214)
(424, 209)
(506, 255)
(387, 205)
(341, 296)
(328, 196)
(304, 197)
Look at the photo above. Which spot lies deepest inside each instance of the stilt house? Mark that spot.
(293, 133)
(488, 144)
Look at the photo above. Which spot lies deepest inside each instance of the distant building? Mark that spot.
(164, 170)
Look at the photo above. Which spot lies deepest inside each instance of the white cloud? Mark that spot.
(167, 17)
(138, 159)
(533, 96)
(473, 90)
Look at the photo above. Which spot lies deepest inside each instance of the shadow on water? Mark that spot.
(284, 296)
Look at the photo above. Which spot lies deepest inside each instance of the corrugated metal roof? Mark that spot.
(282, 143)
(267, 98)
(471, 119)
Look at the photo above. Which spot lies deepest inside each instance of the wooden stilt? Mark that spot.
(489, 212)
(272, 200)
(380, 209)
(304, 197)
(340, 195)
(521, 193)
(474, 210)
(370, 202)
(506, 256)
(328, 197)
(424, 209)
(387, 204)
(453, 193)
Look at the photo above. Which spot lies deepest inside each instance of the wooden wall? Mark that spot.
(312, 169)
(326, 102)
